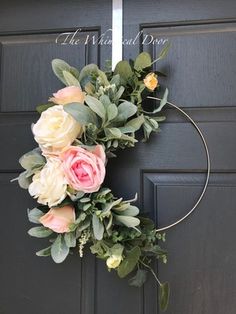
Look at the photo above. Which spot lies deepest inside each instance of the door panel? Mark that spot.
(28, 31)
(167, 172)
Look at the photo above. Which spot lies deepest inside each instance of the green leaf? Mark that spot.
(58, 66)
(112, 133)
(59, 249)
(139, 279)
(34, 215)
(126, 110)
(117, 249)
(142, 61)
(115, 80)
(81, 113)
(131, 211)
(123, 68)
(164, 294)
(24, 180)
(163, 101)
(92, 70)
(89, 88)
(105, 100)
(85, 200)
(106, 208)
(96, 106)
(127, 221)
(98, 228)
(70, 239)
(40, 232)
(70, 79)
(119, 93)
(129, 263)
(155, 250)
(133, 125)
(147, 130)
(88, 70)
(163, 53)
(84, 224)
(112, 112)
(32, 159)
(44, 252)
(43, 107)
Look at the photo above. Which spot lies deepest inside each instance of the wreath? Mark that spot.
(79, 129)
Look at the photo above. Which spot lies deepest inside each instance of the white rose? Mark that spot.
(114, 261)
(55, 130)
(49, 185)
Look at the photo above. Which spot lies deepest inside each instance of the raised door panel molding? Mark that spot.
(26, 77)
(193, 74)
(203, 273)
(33, 278)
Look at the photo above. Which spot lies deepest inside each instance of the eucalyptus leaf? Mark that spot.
(70, 239)
(126, 110)
(81, 113)
(58, 66)
(163, 101)
(92, 70)
(164, 294)
(139, 279)
(117, 249)
(112, 133)
(89, 88)
(123, 68)
(115, 80)
(84, 224)
(34, 215)
(163, 53)
(133, 125)
(142, 61)
(129, 262)
(23, 180)
(119, 93)
(88, 70)
(112, 112)
(131, 211)
(127, 221)
(70, 79)
(147, 130)
(40, 232)
(98, 228)
(44, 252)
(105, 100)
(106, 208)
(33, 159)
(59, 249)
(96, 106)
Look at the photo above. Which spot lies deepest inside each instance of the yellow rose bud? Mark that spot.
(114, 261)
(151, 81)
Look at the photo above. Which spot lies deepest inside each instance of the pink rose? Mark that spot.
(68, 95)
(84, 170)
(59, 219)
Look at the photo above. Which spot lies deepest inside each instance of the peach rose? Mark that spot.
(151, 81)
(59, 219)
(68, 95)
(84, 169)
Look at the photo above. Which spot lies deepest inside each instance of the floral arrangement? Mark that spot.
(79, 129)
